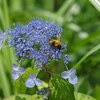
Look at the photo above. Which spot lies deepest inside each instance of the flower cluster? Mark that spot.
(33, 41)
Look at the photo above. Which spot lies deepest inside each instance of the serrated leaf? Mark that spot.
(81, 96)
(19, 84)
(60, 89)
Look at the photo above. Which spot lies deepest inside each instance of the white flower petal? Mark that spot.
(65, 74)
(1, 43)
(73, 79)
(72, 71)
(2, 37)
(32, 76)
(21, 70)
(38, 82)
(30, 83)
(1, 33)
(15, 67)
(15, 75)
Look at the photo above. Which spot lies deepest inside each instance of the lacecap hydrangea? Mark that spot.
(33, 41)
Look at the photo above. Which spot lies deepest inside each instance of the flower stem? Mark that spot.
(46, 70)
(66, 66)
(37, 72)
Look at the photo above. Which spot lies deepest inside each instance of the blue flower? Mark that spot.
(66, 59)
(70, 75)
(32, 41)
(32, 81)
(17, 71)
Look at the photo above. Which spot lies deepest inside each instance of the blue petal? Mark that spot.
(15, 67)
(30, 83)
(65, 74)
(15, 75)
(73, 79)
(21, 70)
(38, 82)
(32, 76)
(72, 71)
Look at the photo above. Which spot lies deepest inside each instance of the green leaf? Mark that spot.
(7, 58)
(96, 4)
(16, 5)
(3, 79)
(67, 4)
(44, 84)
(97, 47)
(83, 85)
(60, 89)
(80, 96)
(5, 15)
(96, 92)
(24, 97)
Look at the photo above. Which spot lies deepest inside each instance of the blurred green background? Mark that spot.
(81, 23)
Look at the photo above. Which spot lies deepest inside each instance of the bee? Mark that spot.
(55, 43)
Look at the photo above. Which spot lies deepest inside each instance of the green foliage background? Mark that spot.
(81, 23)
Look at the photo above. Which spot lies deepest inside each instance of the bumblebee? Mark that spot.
(55, 43)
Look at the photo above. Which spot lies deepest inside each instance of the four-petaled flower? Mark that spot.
(32, 81)
(70, 75)
(17, 71)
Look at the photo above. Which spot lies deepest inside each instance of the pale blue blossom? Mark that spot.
(17, 71)
(32, 81)
(70, 75)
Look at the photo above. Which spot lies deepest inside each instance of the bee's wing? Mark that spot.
(59, 37)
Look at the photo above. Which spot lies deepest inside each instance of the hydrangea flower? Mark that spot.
(32, 81)
(17, 71)
(70, 75)
(32, 41)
